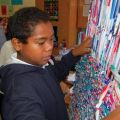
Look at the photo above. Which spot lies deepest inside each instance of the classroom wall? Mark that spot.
(8, 7)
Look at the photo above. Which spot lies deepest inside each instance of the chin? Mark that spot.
(45, 62)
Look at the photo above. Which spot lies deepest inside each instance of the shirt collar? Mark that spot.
(14, 59)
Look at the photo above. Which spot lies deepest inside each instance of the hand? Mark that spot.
(83, 48)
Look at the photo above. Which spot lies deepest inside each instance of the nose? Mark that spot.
(49, 46)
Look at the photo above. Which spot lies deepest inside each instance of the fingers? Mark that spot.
(88, 41)
(83, 48)
(88, 50)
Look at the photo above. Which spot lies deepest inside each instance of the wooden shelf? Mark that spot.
(67, 22)
(82, 20)
(39, 4)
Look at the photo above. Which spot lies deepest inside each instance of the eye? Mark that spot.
(41, 42)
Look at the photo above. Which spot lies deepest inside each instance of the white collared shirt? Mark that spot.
(14, 59)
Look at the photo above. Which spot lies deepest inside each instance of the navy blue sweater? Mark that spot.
(33, 93)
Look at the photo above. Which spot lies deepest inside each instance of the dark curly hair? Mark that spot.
(25, 21)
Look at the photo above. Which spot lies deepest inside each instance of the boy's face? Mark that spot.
(39, 46)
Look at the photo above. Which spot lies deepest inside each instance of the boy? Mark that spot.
(30, 79)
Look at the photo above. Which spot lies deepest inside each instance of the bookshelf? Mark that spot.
(50, 6)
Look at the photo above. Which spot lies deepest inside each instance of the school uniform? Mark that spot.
(33, 92)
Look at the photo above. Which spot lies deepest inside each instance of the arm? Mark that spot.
(26, 103)
(68, 61)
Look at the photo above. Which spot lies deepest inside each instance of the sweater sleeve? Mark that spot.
(62, 68)
(25, 102)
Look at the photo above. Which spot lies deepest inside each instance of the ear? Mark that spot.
(16, 44)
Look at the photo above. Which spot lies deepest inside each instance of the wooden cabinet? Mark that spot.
(83, 8)
(67, 21)
(39, 4)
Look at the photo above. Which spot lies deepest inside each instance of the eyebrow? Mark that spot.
(44, 38)
(41, 38)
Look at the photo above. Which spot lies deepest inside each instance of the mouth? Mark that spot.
(47, 58)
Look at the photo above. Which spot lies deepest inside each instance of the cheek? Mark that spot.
(32, 50)
(37, 52)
